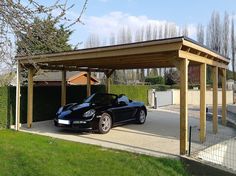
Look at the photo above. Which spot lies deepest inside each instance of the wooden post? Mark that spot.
(224, 112)
(88, 83)
(183, 68)
(108, 84)
(17, 120)
(30, 97)
(63, 88)
(108, 80)
(215, 99)
(202, 102)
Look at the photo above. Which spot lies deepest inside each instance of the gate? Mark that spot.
(164, 98)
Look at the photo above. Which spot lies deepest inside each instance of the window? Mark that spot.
(123, 99)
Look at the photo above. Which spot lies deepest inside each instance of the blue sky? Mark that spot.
(105, 16)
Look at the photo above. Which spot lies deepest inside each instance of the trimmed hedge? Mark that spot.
(155, 80)
(137, 92)
(47, 100)
(3, 106)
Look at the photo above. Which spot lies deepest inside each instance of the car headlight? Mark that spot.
(59, 110)
(89, 113)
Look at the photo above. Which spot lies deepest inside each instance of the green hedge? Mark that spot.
(155, 80)
(3, 106)
(137, 92)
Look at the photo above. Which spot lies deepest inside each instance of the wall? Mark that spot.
(194, 97)
(173, 97)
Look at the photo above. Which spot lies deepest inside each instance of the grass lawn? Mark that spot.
(23, 154)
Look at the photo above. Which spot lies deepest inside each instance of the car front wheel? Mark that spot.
(105, 123)
(141, 116)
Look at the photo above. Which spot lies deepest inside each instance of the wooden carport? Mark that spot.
(177, 52)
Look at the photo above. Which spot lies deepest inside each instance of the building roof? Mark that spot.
(81, 74)
(56, 76)
(53, 76)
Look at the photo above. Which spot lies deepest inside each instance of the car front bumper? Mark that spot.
(76, 124)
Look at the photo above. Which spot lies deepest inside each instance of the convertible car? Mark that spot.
(101, 111)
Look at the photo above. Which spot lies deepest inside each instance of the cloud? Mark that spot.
(114, 21)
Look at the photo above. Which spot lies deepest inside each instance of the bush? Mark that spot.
(134, 92)
(155, 80)
(160, 87)
(3, 106)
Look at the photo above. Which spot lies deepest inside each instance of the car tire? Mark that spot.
(141, 117)
(105, 123)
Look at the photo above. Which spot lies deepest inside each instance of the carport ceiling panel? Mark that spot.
(124, 62)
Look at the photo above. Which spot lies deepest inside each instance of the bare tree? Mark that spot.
(112, 39)
(149, 32)
(172, 30)
(17, 16)
(200, 33)
(160, 35)
(214, 32)
(233, 48)
(225, 33)
(139, 36)
(185, 30)
(155, 32)
(93, 40)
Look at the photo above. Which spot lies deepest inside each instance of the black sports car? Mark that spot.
(101, 111)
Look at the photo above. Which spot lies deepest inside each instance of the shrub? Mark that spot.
(3, 106)
(160, 87)
(155, 80)
(134, 92)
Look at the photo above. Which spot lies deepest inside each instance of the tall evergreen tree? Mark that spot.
(44, 36)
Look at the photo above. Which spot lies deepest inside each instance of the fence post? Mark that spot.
(189, 140)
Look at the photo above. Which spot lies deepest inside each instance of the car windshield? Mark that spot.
(101, 99)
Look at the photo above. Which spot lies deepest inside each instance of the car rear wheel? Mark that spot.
(105, 123)
(141, 116)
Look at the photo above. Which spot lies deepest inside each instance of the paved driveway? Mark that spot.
(159, 136)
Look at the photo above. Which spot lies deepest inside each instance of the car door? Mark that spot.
(122, 111)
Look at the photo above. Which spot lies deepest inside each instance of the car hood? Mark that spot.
(73, 110)
(76, 106)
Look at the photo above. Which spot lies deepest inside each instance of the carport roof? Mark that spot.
(148, 54)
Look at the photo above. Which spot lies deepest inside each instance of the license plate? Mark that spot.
(64, 122)
(79, 122)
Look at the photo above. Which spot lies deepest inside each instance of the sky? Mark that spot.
(103, 17)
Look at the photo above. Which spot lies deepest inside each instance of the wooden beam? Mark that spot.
(183, 105)
(215, 98)
(63, 88)
(109, 51)
(224, 112)
(201, 59)
(88, 83)
(202, 102)
(70, 68)
(109, 73)
(30, 97)
(17, 120)
(205, 50)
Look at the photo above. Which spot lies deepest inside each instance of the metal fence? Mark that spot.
(218, 148)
